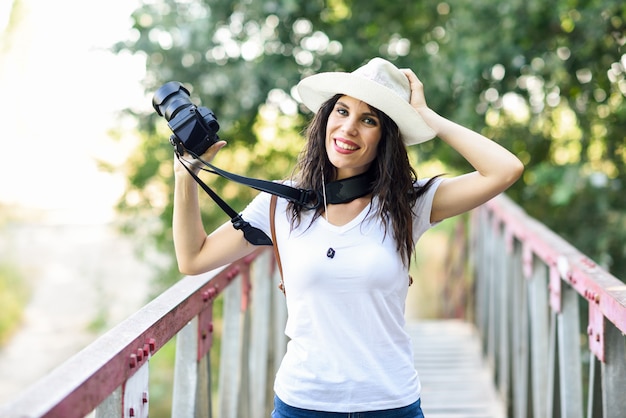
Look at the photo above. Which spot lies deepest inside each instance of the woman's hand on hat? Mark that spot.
(418, 100)
(195, 164)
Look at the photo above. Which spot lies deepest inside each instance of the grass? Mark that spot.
(14, 290)
(14, 294)
(162, 380)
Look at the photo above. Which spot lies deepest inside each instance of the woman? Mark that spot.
(345, 264)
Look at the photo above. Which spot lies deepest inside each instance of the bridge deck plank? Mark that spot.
(456, 380)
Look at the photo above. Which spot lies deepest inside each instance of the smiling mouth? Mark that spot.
(345, 146)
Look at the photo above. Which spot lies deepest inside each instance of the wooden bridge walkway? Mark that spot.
(456, 380)
(529, 289)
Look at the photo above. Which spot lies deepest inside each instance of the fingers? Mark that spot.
(417, 88)
(212, 151)
(196, 164)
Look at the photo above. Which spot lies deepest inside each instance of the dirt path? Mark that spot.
(80, 275)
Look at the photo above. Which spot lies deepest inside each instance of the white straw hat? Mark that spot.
(378, 83)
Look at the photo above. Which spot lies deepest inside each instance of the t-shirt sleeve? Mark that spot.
(257, 212)
(423, 208)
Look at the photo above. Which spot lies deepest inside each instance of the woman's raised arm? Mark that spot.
(496, 167)
(197, 252)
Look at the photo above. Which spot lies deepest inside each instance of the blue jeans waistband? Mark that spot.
(282, 410)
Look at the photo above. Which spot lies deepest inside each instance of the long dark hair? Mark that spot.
(395, 178)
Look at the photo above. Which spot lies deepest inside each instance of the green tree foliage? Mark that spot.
(546, 79)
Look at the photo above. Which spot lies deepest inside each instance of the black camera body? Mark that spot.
(194, 128)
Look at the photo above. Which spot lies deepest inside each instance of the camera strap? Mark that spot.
(253, 235)
(308, 199)
(337, 192)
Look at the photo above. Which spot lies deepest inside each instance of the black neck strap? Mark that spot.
(346, 190)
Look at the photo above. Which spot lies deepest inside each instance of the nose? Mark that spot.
(350, 126)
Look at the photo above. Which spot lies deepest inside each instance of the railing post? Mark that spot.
(484, 245)
(230, 357)
(570, 376)
(136, 393)
(505, 296)
(552, 386)
(539, 333)
(613, 373)
(192, 383)
(243, 408)
(519, 338)
(262, 300)
(594, 395)
(493, 277)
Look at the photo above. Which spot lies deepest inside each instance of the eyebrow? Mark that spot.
(339, 102)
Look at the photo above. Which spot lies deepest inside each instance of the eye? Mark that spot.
(342, 111)
(370, 121)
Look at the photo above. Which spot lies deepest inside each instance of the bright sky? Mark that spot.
(59, 90)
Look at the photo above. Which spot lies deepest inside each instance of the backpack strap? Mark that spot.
(273, 200)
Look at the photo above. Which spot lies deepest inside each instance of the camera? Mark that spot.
(194, 128)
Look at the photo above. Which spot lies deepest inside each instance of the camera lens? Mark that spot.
(195, 129)
(170, 99)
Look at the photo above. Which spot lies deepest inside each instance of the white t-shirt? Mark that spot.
(348, 350)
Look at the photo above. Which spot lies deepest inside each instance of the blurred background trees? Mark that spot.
(544, 79)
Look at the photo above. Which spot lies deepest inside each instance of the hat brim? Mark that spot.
(316, 89)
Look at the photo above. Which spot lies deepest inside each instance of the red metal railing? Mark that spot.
(532, 290)
(111, 375)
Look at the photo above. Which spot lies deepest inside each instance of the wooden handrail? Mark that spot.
(531, 286)
(110, 375)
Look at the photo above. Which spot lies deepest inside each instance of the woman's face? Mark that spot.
(353, 132)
